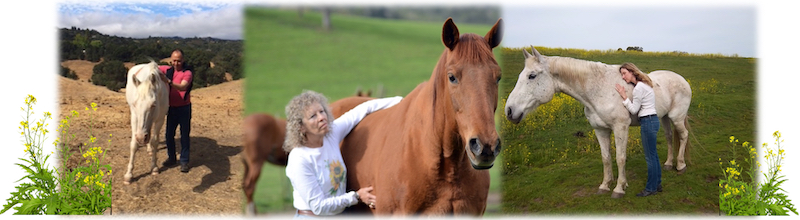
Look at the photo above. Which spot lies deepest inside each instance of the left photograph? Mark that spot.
(151, 106)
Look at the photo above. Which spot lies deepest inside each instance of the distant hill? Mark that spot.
(91, 45)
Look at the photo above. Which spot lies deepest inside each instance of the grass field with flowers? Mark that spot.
(552, 162)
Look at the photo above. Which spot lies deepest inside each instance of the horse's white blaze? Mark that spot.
(148, 99)
(592, 84)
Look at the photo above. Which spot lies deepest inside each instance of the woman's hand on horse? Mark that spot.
(365, 196)
(621, 91)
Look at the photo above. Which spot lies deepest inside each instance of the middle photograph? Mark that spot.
(372, 111)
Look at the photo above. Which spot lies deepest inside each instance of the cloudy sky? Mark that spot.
(724, 30)
(143, 19)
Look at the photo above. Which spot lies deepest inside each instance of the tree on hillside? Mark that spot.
(326, 18)
(80, 41)
(112, 74)
(66, 72)
(635, 48)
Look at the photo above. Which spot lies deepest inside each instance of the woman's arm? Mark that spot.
(304, 181)
(634, 105)
(350, 119)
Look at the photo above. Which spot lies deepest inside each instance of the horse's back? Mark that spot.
(341, 106)
(673, 93)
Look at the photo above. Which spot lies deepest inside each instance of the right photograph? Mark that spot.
(627, 110)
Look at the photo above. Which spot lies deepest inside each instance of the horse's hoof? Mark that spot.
(668, 167)
(680, 172)
(602, 191)
(154, 172)
(617, 195)
(127, 182)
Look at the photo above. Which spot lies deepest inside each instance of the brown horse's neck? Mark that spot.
(443, 130)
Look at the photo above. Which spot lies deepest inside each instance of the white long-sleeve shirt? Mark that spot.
(318, 175)
(644, 100)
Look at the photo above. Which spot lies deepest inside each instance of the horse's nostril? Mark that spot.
(474, 145)
(497, 147)
(508, 112)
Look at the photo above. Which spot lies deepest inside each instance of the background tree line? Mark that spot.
(467, 14)
(199, 53)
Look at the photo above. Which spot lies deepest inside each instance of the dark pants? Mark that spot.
(649, 130)
(182, 116)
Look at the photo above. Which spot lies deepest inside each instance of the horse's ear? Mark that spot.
(525, 53)
(154, 79)
(135, 81)
(450, 34)
(537, 54)
(495, 35)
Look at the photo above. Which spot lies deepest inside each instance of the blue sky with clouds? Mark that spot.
(724, 30)
(143, 19)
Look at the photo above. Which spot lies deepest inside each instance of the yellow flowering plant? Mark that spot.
(85, 189)
(740, 197)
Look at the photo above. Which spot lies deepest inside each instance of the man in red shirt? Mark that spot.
(179, 79)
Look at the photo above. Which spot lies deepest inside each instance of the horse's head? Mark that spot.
(143, 109)
(535, 86)
(469, 78)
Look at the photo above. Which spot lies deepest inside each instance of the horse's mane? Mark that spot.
(146, 87)
(576, 70)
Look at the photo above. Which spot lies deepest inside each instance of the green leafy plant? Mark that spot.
(85, 189)
(740, 197)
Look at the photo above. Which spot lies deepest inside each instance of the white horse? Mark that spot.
(148, 98)
(592, 84)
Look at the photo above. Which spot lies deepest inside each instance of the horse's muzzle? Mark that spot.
(510, 116)
(142, 139)
(481, 155)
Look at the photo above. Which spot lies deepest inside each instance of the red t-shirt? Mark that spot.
(176, 98)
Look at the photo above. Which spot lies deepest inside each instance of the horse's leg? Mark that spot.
(621, 139)
(129, 173)
(683, 134)
(604, 138)
(666, 124)
(153, 145)
(252, 173)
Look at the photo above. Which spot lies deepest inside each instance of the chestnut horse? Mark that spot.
(429, 154)
(263, 141)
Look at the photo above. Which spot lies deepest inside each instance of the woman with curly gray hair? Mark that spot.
(315, 165)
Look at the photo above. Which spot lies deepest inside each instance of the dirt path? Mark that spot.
(212, 186)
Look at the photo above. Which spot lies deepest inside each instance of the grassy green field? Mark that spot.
(552, 162)
(286, 54)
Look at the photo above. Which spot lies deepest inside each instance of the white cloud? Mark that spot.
(193, 20)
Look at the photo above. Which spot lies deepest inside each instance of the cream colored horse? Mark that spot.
(148, 98)
(592, 84)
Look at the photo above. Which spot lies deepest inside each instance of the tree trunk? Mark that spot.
(300, 11)
(326, 18)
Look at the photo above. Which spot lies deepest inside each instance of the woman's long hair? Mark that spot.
(640, 76)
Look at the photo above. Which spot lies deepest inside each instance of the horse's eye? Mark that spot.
(531, 76)
(498, 80)
(452, 78)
